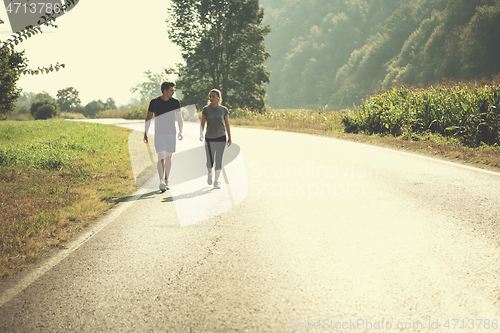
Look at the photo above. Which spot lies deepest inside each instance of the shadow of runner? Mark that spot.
(190, 195)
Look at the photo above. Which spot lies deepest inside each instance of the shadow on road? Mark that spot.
(148, 195)
(191, 195)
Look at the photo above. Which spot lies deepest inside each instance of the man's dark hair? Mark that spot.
(166, 85)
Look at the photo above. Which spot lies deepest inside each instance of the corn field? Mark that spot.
(470, 112)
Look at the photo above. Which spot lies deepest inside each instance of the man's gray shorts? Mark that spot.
(165, 142)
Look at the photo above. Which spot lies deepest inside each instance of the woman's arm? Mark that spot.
(228, 129)
(202, 126)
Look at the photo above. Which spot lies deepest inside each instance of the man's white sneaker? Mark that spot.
(163, 186)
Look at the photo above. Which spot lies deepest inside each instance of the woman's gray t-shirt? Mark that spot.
(215, 121)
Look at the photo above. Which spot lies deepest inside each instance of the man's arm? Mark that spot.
(147, 124)
(180, 123)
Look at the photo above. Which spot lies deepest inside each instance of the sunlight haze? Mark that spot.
(105, 45)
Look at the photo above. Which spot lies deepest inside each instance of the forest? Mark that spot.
(332, 54)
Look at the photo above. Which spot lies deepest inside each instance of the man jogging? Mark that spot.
(165, 109)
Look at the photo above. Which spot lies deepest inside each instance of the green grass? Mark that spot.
(49, 145)
(56, 177)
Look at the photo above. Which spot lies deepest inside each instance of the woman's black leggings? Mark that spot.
(215, 149)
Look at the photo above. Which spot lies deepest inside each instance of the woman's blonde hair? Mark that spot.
(217, 91)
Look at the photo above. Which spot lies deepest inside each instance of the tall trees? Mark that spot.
(311, 44)
(456, 39)
(11, 65)
(480, 42)
(340, 51)
(68, 99)
(150, 88)
(222, 43)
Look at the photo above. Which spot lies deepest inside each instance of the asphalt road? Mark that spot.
(331, 236)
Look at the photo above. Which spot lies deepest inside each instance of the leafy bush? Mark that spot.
(46, 111)
(48, 108)
(136, 113)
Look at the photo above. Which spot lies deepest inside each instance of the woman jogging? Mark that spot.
(216, 117)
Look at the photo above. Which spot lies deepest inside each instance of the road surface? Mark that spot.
(331, 236)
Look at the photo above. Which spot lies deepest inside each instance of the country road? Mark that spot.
(332, 236)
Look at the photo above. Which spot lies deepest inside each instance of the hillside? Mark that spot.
(336, 53)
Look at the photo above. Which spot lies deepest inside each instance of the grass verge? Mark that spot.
(56, 177)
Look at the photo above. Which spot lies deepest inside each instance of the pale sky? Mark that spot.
(106, 46)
